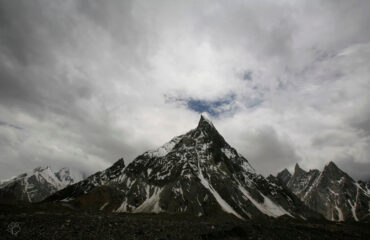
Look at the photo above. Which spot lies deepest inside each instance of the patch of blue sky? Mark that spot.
(214, 108)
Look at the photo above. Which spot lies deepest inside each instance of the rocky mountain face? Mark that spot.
(37, 184)
(197, 173)
(284, 176)
(331, 192)
(301, 181)
(86, 185)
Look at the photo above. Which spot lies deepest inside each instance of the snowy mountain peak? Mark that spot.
(196, 173)
(41, 169)
(37, 184)
(63, 172)
(67, 177)
(205, 119)
(206, 125)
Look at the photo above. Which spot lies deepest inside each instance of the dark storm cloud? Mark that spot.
(329, 139)
(268, 152)
(32, 33)
(358, 170)
(361, 119)
(39, 43)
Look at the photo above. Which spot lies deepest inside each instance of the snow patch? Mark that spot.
(332, 192)
(247, 167)
(364, 191)
(341, 180)
(224, 205)
(268, 207)
(165, 149)
(67, 199)
(229, 154)
(353, 209)
(151, 204)
(104, 205)
(340, 213)
(122, 207)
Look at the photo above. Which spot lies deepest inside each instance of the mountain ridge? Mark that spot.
(37, 184)
(331, 192)
(197, 173)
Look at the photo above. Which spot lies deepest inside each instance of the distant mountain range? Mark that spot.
(331, 192)
(36, 185)
(197, 173)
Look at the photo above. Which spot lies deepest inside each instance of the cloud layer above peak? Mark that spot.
(83, 83)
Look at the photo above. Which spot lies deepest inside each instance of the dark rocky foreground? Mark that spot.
(59, 222)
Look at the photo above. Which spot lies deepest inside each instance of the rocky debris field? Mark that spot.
(20, 220)
(99, 225)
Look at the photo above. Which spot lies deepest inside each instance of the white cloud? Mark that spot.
(88, 82)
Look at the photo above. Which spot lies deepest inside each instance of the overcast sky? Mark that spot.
(83, 83)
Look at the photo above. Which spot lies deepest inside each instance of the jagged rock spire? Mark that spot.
(331, 165)
(284, 176)
(205, 123)
(298, 169)
(331, 192)
(286, 171)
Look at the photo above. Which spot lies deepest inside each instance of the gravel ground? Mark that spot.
(99, 225)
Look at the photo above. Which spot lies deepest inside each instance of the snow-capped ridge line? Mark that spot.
(38, 183)
(331, 192)
(196, 173)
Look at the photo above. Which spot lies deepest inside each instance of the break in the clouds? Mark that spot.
(83, 83)
(215, 108)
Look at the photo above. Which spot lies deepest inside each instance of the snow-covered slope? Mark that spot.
(332, 192)
(37, 184)
(197, 173)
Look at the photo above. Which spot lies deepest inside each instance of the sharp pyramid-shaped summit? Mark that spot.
(197, 173)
